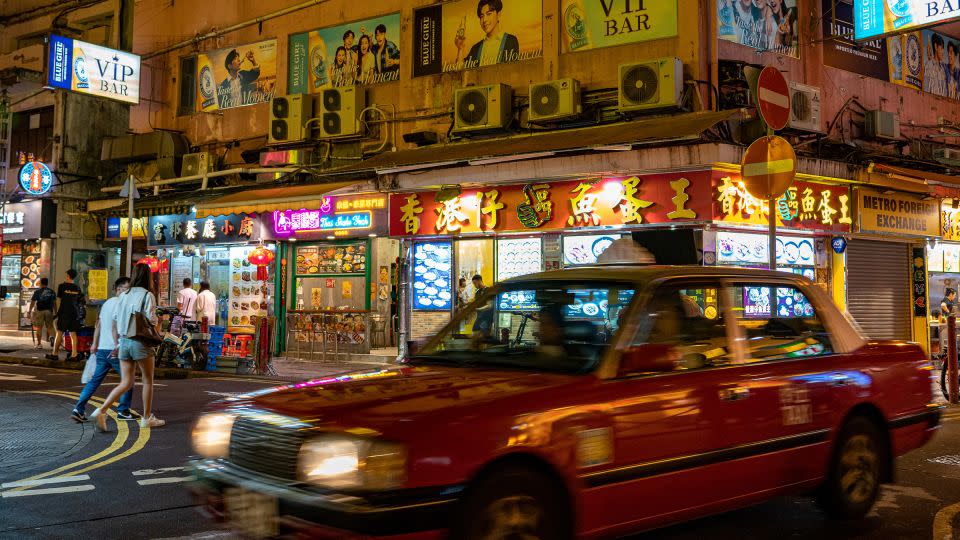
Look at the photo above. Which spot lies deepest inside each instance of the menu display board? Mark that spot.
(585, 249)
(751, 249)
(180, 269)
(34, 264)
(332, 259)
(518, 257)
(248, 297)
(432, 264)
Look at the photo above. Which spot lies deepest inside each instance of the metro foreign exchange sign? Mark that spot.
(94, 70)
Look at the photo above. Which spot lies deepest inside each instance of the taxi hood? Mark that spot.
(380, 399)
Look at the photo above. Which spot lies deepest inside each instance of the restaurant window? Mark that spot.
(188, 86)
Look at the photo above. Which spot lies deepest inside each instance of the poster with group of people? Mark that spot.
(358, 53)
(765, 25)
(237, 76)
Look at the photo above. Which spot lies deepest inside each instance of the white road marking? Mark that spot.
(146, 472)
(42, 481)
(18, 377)
(223, 394)
(164, 480)
(48, 491)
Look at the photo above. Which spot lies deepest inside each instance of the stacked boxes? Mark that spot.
(215, 346)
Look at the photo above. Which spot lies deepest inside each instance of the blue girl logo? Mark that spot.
(80, 70)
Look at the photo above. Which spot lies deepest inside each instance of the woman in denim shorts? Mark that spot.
(139, 299)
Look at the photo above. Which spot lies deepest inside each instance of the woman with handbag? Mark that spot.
(135, 323)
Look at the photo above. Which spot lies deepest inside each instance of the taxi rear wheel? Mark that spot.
(853, 482)
(514, 503)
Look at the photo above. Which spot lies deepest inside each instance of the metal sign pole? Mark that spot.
(130, 190)
(952, 384)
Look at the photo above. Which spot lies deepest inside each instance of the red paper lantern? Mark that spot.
(261, 257)
(152, 262)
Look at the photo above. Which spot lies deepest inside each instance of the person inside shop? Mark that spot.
(948, 305)
(68, 315)
(483, 324)
(206, 304)
(41, 312)
(131, 350)
(463, 295)
(186, 300)
(104, 349)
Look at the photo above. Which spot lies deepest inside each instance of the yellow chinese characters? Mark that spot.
(410, 215)
(680, 200)
(492, 208)
(583, 209)
(450, 216)
(631, 204)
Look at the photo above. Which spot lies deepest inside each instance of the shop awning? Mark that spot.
(938, 185)
(620, 136)
(257, 201)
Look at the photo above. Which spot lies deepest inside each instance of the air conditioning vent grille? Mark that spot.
(800, 106)
(281, 107)
(641, 84)
(278, 130)
(472, 108)
(331, 123)
(332, 101)
(545, 99)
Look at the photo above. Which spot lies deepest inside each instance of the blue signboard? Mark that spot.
(91, 69)
(874, 18)
(35, 178)
(432, 276)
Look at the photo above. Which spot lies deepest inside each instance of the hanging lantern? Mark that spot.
(152, 262)
(261, 257)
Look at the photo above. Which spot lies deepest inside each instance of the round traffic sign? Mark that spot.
(773, 98)
(768, 167)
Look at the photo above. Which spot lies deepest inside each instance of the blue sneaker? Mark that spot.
(78, 416)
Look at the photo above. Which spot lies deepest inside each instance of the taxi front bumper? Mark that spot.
(302, 511)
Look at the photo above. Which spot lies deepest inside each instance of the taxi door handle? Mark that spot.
(840, 381)
(736, 393)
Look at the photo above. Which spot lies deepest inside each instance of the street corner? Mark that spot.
(37, 430)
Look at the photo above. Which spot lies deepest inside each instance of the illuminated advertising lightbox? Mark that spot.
(874, 18)
(91, 69)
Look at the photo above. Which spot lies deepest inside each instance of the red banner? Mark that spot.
(620, 200)
(805, 205)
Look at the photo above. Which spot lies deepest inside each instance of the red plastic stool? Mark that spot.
(242, 343)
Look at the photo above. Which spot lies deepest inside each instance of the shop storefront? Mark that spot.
(336, 261)
(943, 268)
(26, 257)
(880, 262)
(503, 231)
(214, 249)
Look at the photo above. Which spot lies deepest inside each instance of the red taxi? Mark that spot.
(580, 403)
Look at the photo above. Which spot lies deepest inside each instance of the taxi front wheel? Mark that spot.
(515, 503)
(853, 481)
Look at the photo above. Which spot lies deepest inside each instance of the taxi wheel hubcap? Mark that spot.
(513, 518)
(858, 469)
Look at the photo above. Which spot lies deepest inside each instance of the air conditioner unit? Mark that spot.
(804, 107)
(947, 156)
(288, 115)
(339, 110)
(651, 84)
(196, 164)
(554, 100)
(482, 108)
(882, 125)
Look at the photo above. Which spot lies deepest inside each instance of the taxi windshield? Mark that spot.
(548, 326)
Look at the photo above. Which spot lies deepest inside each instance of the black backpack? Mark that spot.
(47, 299)
(81, 306)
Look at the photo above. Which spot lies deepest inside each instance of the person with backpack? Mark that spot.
(134, 316)
(68, 314)
(42, 305)
(104, 348)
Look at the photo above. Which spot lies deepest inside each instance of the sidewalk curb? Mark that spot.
(159, 373)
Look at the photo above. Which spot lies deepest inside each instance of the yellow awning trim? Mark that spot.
(259, 201)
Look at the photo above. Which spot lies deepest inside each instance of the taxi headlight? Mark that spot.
(344, 462)
(211, 435)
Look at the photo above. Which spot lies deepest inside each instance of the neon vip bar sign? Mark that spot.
(294, 221)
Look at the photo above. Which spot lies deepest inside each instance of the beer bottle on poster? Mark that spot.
(206, 84)
(575, 25)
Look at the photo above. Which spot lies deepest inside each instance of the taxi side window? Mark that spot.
(778, 322)
(688, 320)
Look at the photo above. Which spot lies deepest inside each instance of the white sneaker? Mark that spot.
(151, 422)
(99, 420)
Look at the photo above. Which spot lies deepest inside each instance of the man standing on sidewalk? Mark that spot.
(42, 303)
(105, 346)
(186, 300)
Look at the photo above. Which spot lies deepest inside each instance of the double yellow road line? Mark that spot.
(105, 457)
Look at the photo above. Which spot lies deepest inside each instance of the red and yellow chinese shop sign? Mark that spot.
(805, 205)
(621, 200)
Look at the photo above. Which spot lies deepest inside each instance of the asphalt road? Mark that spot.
(129, 483)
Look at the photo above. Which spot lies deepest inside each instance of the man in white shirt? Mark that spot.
(187, 300)
(105, 348)
(206, 304)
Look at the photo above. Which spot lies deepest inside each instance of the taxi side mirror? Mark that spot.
(648, 358)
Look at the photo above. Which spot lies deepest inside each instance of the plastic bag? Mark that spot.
(88, 370)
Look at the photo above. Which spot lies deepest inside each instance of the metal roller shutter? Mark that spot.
(878, 288)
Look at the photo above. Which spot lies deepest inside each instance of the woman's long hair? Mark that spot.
(142, 277)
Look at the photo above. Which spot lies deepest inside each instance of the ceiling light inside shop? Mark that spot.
(331, 237)
(372, 235)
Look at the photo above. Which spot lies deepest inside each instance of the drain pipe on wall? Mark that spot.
(233, 28)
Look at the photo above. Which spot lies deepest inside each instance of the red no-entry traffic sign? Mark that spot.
(773, 98)
(768, 167)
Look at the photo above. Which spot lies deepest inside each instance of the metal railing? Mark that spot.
(326, 335)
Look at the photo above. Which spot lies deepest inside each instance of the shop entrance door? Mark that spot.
(878, 288)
